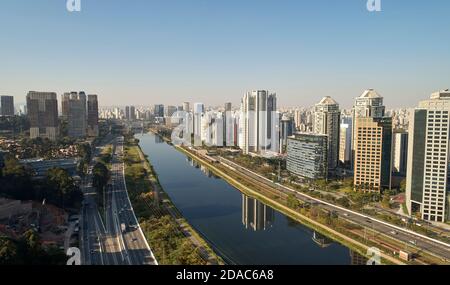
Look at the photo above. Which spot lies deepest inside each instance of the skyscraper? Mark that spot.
(373, 142)
(199, 109)
(259, 122)
(368, 105)
(7, 106)
(158, 110)
(127, 113)
(42, 109)
(345, 138)
(307, 155)
(132, 113)
(399, 152)
(428, 159)
(327, 122)
(92, 117)
(286, 130)
(186, 107)
(77, 116)
(65, 98)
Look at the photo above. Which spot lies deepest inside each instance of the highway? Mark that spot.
(120, 241)
(121, 219)
(408, 238)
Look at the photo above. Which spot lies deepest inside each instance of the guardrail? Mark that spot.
(226, 161)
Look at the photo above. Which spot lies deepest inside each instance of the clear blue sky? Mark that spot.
(169, 51)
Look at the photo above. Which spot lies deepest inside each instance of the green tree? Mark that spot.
(101, 177)
(60, 188)
(8, 252)
(403, 186)
(386, 201)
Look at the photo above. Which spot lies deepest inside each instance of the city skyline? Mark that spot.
(192, 51)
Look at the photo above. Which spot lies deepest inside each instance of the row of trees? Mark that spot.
(27, 250)
(57, 188)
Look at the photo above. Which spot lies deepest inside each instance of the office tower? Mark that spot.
(118, 113)
(199, 109)
(373, 142)
(171, 110)
(286, 130)
(92, 117)
(132, 113)
(256, 215)
(307, 155)
(42, 109)
(368, 105)
(259, 122)
(159, 110)
(327, 122)
(298, 119)
(127, 113)
(77, 117)
(228, 128)
(7, 106)
(345, 137)
(400, 152)
(23, 109)
(65, 98)
(212, 129)
(228, 106)
(428, 159)
(186, 107)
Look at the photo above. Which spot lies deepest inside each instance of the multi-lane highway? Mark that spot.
(408, 238)
(120, 240)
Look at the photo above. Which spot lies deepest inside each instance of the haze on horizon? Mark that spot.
(145, 52)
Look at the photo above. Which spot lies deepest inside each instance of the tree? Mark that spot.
(403, 186)
(16, 181)
(8, 252)
(386, 201)
(101, 177)
(60, 188)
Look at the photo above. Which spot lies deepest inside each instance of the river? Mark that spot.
(239, 228)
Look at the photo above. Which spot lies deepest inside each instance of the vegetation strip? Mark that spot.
(171, 238)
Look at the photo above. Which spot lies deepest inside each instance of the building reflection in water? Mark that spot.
(357, 259)
(203, 168)
(158, 139)
(256, 215)
(321, 240)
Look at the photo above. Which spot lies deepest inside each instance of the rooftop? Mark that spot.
(443, 95)
(370, 93)
(327, 101)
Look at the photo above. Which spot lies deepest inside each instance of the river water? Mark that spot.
(239, 228)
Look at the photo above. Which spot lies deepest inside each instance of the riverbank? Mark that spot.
(159, 218)
(343, 239)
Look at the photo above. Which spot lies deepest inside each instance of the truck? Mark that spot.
(123, 227)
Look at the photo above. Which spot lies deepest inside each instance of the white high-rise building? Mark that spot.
(345, 145)
(259, 123)
(199, 109)
(327, 122)
(427, 183)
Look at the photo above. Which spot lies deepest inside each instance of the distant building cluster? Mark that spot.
(78, 112)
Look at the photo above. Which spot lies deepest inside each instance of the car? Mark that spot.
(134, 239)
(413, 242)
(394, 233)
(346, 214)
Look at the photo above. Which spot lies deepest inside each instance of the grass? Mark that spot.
(168, 242)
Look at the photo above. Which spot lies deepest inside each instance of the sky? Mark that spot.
(145, 52)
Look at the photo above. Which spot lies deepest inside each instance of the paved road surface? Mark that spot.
(407, 237)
